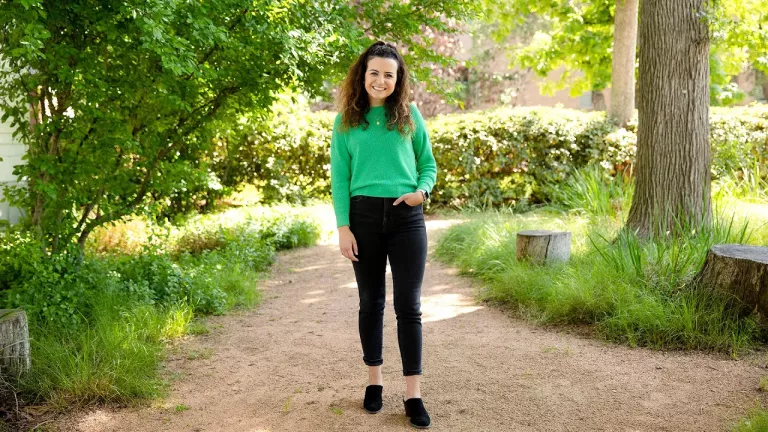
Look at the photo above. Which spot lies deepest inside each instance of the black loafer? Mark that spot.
(416, 413)
(372, 402)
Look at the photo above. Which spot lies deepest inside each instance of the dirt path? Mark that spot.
(295, 364)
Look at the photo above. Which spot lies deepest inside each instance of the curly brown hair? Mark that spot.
(353, 100)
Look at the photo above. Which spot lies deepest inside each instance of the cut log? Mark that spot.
(542, 246)
(14, 342)
(740, 271)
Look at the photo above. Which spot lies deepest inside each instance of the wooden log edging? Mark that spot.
(14, 342)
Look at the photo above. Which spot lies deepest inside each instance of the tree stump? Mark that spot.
(741, 271)
(14, 342)
(542, 246)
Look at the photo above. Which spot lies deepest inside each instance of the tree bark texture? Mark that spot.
(673, 153)
(623, 62)
(740, 271)
(14, 342)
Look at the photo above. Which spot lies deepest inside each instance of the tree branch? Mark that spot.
(216, 46)
(214, 105)
(29, 92)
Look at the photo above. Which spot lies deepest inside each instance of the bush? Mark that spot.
(130, 237)
(98, 324)
(287, 233)
(53, 289)
(739, 139)
(505, 156)
(286, 156)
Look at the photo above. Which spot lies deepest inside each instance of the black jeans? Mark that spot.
(398, 232)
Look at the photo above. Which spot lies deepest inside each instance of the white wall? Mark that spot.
(11, 152)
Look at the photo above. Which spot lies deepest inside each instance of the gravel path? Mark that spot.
(295, 364)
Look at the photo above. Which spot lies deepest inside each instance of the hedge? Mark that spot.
(502, 156)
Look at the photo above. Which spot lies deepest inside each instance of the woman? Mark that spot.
(382, 169)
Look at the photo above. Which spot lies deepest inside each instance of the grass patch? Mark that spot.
(112, 358)
(196, 328)
(755, 421)
(632, 291)
(593, 191)
(203, 354)
(99, 327)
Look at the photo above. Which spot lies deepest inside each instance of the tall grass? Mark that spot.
(633, 291)
(746, 185)
(665, 262)
(116, 311)
(112, 358)
(594, 192)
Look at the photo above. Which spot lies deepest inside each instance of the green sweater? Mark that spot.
(379, 162)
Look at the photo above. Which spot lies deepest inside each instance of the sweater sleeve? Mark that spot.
(422, 148)
(341, 173)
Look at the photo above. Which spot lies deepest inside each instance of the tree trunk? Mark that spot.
(598, 100)
(623, 63)
(673, 153)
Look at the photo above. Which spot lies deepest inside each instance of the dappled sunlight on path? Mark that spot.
(444, 306)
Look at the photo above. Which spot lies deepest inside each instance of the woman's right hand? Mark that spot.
(347, 243)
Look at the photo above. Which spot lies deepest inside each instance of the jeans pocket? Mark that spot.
(407, 209)
(357, 198)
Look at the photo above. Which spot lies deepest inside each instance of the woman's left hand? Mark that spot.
(412, 199)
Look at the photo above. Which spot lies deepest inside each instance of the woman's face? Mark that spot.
(380, 79)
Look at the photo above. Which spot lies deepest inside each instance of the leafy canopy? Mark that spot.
(578, 37)
(124, 93)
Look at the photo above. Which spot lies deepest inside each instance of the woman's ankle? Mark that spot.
(412, 387)
(412, 395)
(374, 375)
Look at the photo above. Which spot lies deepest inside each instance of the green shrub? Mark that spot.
(222, 280)
(198, 238)
(154, 278)
(739, 138)
(286, 156)
(506, 156)
(54, 289)
(98, 324)
(286, 232)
